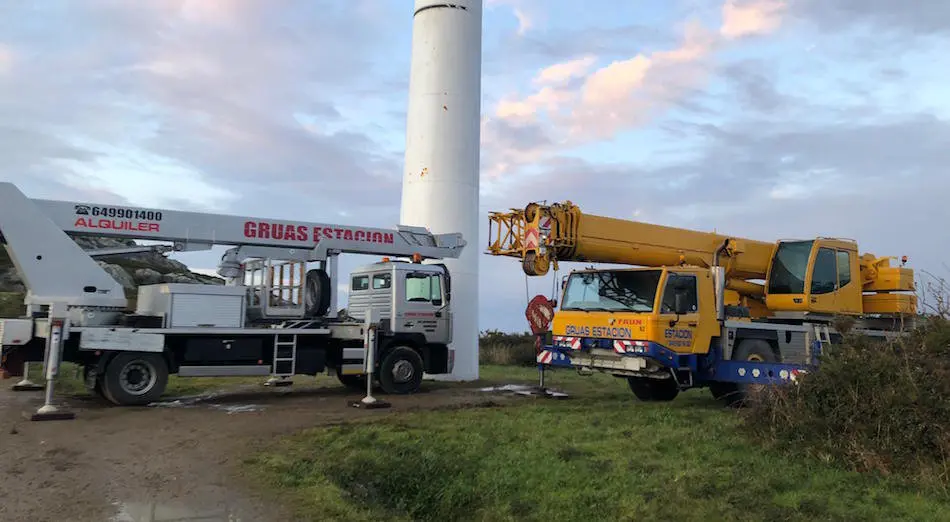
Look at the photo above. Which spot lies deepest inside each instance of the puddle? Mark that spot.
(184, 402)
(237, 408)
(162, 512)
(517, 388)
(527, 390)
(203, 400)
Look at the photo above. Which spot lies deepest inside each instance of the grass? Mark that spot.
(597, 456)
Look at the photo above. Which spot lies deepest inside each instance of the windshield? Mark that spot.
(620, 290)
(789, 267)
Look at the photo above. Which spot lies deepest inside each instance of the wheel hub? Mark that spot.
(137, 378)
(402, 371)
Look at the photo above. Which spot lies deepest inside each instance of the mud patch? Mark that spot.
(177, 512)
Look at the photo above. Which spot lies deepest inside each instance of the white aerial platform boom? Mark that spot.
(195, 330)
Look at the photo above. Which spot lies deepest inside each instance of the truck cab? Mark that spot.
(412, 299)
(673, 307)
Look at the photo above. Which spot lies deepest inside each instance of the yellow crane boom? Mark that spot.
(542, 235)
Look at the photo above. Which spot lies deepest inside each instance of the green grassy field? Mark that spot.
(600, 455)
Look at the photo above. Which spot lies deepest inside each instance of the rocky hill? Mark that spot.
(130, 270)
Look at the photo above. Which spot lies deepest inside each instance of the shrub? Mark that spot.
(872, 406)
(507, 348)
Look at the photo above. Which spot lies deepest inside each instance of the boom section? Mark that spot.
(542, 235)
(194, 230)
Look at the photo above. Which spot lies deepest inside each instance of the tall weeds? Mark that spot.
(497, 347)
(872, 406)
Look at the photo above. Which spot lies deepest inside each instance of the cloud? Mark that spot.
(205, 99)
(525, 21)
(561, 72)
(926, 18)
(6, 59)
(715, 119)
(742, 18)
(623, 94)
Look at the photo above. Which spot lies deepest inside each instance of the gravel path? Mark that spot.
(176, 461)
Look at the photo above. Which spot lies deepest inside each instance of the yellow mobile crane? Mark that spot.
(699, 309)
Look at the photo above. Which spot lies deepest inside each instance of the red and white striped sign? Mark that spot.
(623, 346)
(532, 238)
(574, 342)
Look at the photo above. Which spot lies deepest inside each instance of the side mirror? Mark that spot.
(680, 305)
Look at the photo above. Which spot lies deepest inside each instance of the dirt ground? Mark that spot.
(173, 461)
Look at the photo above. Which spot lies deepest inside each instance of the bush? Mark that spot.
(506, 348)
(11, 304)
(872, 406)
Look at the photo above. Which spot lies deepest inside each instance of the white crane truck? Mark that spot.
(273, 316)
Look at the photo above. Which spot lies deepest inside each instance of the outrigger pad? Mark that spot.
(544, 392)
(371, 405)
(28, 387)
(56, 415)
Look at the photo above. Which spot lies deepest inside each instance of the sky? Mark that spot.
(766, 119)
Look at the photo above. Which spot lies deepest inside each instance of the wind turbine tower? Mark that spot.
(441, 172)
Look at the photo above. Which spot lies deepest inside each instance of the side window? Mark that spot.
(844, 268)
(825, 275)
(688, 284)
(382, 281)
(424, 288)
(359, 283)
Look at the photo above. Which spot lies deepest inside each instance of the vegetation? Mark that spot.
(502, 348)
(871, 407)
(600, 455)
(11, 304)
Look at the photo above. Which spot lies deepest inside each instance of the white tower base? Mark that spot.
(441, 173)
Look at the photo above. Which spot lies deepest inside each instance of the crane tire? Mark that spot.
(653, 390)
(135, 379)
(753, 350)
(317, 293)
(400, 371)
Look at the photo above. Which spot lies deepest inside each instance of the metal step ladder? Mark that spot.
(821, 342)
(281, 356)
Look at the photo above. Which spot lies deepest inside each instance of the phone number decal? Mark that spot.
(119, 212)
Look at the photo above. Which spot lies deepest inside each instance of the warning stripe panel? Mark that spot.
(532, 238)
(575, 342)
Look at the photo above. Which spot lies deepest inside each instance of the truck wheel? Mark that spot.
(135, 379)
(752, 350)
(401, 371)
(653, 390)
(720, 390)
